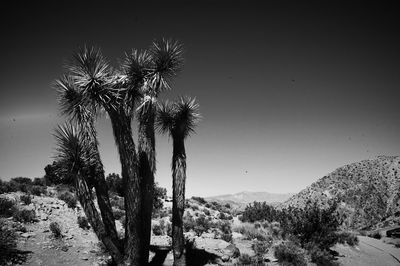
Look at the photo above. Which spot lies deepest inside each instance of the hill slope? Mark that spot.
(368, 191)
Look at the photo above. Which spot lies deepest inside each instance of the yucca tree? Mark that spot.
(90, 87)
(152, 72)
(77, 156)
(178, 120)
(74, 106)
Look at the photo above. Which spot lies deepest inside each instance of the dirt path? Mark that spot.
(369, 252)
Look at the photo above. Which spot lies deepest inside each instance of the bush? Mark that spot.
(26, 199)
(347, 238)
(206, 212)
(118, 213)
(376, 235)
(83, 222)
(158, 230)
(55, 229)
(24, 216)
(38, 190)
(39, 182)
(288, 253)
(322, 257)
(8, 242)
(199, 200)
(7, 207)
(261, 247)
(245, 259)
(117, 202)
(250, 232)
(68, 198)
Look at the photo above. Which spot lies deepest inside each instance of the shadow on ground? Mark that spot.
(194, 257)
(14, 256)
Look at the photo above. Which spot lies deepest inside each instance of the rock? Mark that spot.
(225, 258)
(27, 235)
(85, 258)
(64, 248)
(232, 251)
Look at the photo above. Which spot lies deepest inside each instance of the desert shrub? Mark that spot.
(199, 200)
(26, 199)
(258, 212)
(55, 229)
(68, 198)
(117, 202)
(322, 257)
(115, 184)
(38, 190)
(245, 259)
(222, 216)
(397, 245)
(53, 175)
(159, 194)
(250, 232)
(37, 181)
(261, 247)
(8, 242)
(83, 222)
(208, 205)
(347, 238)
(158, 230)
(376, 235)
(275, 229)
(7, 207)
(206, 212)
(199, 225)
(22, 180)
(24, 216)
(288, 253)
(194, 207)
(118, 213)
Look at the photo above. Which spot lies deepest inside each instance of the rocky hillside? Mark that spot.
(368, 192)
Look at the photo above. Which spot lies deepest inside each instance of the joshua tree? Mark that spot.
(90, 87)
(77, 155)
(178, 120)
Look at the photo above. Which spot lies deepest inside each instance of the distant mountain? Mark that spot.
(368, 192)
(246, 197)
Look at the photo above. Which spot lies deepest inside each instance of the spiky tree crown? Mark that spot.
(178, 119)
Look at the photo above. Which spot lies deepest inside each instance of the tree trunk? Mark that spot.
(85, 198)
(147, 167)
(100, 185)
(178, 200)
(121, 124)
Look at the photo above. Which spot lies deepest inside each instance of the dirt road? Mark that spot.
(369, 252)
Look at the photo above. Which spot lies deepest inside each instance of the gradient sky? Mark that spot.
(288, 91)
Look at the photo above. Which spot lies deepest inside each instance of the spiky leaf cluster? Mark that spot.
(178, 119)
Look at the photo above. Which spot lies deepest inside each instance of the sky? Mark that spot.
(288, 91)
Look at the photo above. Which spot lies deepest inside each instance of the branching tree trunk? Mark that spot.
(121, 125)
(85, 198)
(99, 182)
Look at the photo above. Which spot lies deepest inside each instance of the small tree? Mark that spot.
(178, 120)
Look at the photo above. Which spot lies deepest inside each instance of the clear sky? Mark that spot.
(288, 91)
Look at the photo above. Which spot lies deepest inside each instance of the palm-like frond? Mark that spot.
(167, 60)
(73, 150)
(91, 73)
(187, 115)
(72, 101)
(180, 118)
(165, 118)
